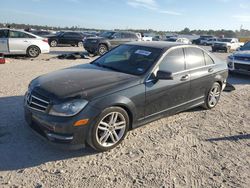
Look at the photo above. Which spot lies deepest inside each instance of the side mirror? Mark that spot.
(164, 75)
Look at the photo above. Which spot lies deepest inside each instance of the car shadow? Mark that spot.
(19, 146)
(54, 52)
(230, 138)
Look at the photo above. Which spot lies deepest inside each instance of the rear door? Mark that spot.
(4, 41)
(19, 42)
(116, 39)
(168, 95)
(201, 68)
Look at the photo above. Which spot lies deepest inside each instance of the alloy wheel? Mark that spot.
(53, 43)
(111, 129)
(214, 96)
(33, 52)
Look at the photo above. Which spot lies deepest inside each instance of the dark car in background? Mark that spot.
(239, 62)
(68, 38)
(108, 40)
(41, 33)
(133, 84)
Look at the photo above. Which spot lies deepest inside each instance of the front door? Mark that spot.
(168, 95)
(4, 41)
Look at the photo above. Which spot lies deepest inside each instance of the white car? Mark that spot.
(21, 42)
(184, 40)
(227, 45)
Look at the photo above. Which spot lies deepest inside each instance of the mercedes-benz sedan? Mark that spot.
(133, 84)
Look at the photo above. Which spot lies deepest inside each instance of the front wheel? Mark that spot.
(110, 129)
(102, 49)
(213, 96)
(53, 43)
(80, 44)
(33, 51)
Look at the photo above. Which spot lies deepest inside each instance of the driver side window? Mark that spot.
(174, 61)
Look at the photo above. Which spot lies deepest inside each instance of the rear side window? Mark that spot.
(19, 34)
(174, 61)
(133, 36)
(125, 35)
(3, 33)
(208, 59)
(117, 35)
(194, 58)
(71, 34)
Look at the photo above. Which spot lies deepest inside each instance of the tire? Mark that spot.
(213, 50)
(80, 44)
(213, 96)
(104, 134)
(33, 51)
(102, 49)
(53, 43)
(228, 50)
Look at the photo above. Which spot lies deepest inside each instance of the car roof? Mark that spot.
(164, 45)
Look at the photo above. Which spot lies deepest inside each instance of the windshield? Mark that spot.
(130, 59)
(246, 46)
(107, 34)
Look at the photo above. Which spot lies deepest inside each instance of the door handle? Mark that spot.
(25, 41)
(211, 70)
(184, 78)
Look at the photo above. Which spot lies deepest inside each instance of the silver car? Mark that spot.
(21, 42)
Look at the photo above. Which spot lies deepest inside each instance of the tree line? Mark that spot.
(185, 31)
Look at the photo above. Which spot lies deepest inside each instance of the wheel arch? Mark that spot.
(105, 44)
(119, 101)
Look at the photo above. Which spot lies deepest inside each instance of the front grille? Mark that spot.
(242, 58)
(37, 102)
(242, 66)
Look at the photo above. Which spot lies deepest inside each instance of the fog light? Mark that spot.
(230, 65)
(81, 122)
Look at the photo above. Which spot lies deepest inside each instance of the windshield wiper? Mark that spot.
(107, 67)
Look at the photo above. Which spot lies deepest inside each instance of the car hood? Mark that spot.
(85, 81)
(243, 53)
(94, 38)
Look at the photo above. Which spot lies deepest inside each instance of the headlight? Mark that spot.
(68, 108)
(230, 57)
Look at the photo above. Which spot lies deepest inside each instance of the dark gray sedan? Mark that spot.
(132, 85)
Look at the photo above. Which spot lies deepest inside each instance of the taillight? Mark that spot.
(45, 40)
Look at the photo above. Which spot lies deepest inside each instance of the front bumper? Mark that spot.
(218, 48)
(91, 47)
(60, 131)
(240, 67)
(45, 48)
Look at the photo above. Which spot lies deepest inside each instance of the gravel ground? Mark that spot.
(196, 148)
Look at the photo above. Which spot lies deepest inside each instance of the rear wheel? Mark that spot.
(228, 50)
(33, 51)
(213, 96)
(110, 129)
(102, 49)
